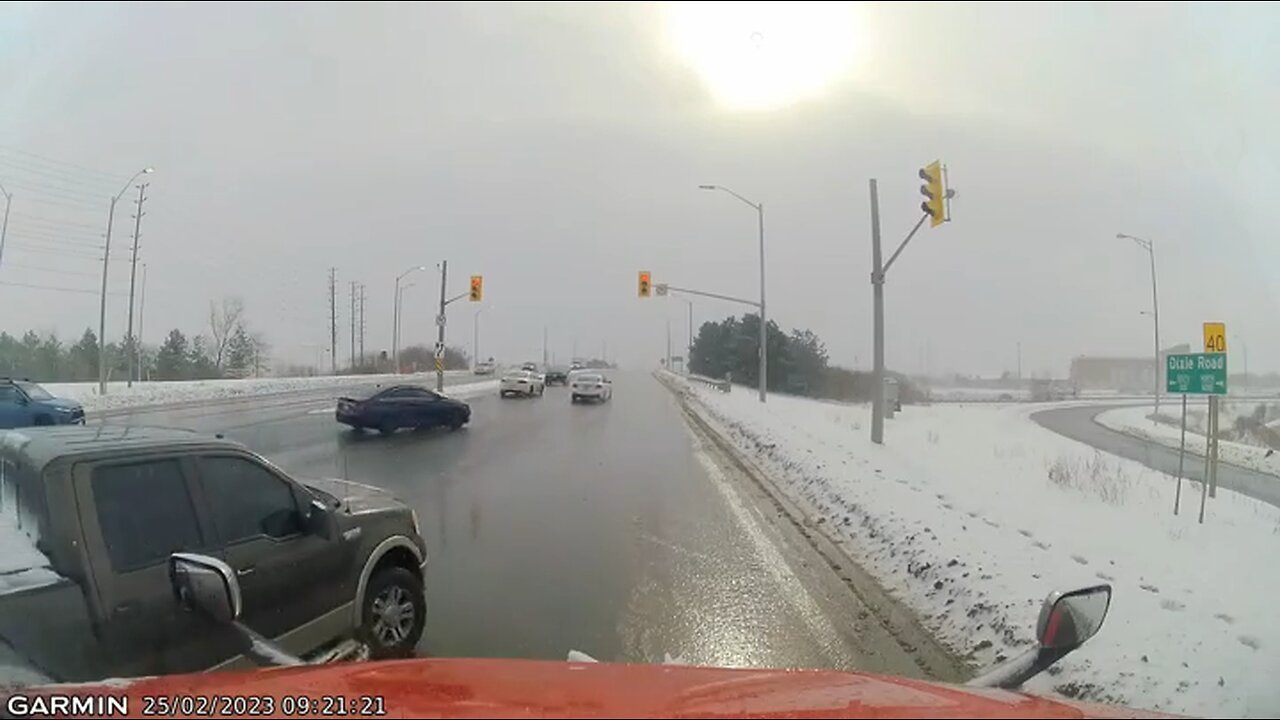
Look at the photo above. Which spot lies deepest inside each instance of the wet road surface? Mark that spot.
(1077, 423)
(607, 529)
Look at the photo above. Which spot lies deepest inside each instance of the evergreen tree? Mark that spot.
(173, 361)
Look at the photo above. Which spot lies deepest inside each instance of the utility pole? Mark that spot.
(133, 274)
(102, 299)
(142, 313)
(353, 323)
(544, 346)
(877, 300)
(440, 320)
(1019, 362)
(362, 324)
(333, 321)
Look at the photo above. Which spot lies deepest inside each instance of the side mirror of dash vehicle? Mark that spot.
(208, 586)
(1067, 620)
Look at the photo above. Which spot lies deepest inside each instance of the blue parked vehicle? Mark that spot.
(24, 403)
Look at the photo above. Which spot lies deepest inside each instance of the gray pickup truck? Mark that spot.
(90, 516)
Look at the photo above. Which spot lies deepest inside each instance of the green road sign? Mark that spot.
(1196, 374)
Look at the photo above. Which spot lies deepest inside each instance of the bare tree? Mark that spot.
(224, 319)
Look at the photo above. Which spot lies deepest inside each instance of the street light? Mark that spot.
(1155, 306)
(764, 352)
(102, 303)
(395, 320)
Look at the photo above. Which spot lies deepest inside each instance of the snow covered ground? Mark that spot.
(163, 393)
(1134, 421)
(972, 514)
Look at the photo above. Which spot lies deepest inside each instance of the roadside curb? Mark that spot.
(1190, 450)
(936, 660)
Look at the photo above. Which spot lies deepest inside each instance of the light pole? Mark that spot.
(1155, 306)
(4, 229)
(475, 338)
(397, 332)
(688, 353)
(395, 321)
(764, 351)
(102, 303)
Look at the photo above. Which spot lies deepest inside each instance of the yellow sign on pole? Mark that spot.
(1215, 337)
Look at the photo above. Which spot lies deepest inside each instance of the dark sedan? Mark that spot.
(402, 406)
(558, 376)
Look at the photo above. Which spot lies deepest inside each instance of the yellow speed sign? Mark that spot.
(1215, 337)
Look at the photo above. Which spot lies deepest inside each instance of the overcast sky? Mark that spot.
(557, 150)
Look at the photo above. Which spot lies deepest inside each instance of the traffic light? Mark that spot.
(645, 284)
(935, 202)
(477, 288)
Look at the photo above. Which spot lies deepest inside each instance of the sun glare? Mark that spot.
(764, 55)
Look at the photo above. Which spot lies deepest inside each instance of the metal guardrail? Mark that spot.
(721, 385)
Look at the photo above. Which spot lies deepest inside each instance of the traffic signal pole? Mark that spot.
(935, 209)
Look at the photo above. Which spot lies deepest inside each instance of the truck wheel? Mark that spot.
(394, 613)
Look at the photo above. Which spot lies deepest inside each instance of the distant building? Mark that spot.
(1123, 374)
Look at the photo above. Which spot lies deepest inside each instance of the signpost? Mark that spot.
(1200, 374)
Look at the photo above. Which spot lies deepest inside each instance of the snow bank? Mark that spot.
(1135, 421)
(972, 514)
(168, 392)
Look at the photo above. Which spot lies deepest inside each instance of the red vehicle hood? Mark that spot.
(528, 688)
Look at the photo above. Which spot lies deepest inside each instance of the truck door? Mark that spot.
(133, 515)
(288, 576)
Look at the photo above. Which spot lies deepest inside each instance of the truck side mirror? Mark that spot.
(1068, 619)
(205, 584)
(318, 521)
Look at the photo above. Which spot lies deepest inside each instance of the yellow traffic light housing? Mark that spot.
(477, 288)
(646, 284)
(934, 192)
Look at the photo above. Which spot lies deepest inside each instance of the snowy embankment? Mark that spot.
(972, 514)
(1136, 421)
(179, 391)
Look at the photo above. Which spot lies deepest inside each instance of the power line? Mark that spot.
(64, 252)
(106, 176)
(44, 174)
(57, 288)
(22, 235)
(37, 218)
(38, 268)
(55, 190)
(63, 204)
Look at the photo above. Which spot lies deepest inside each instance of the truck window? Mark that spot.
(145, 512)
(247, 500)
(8, 394)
